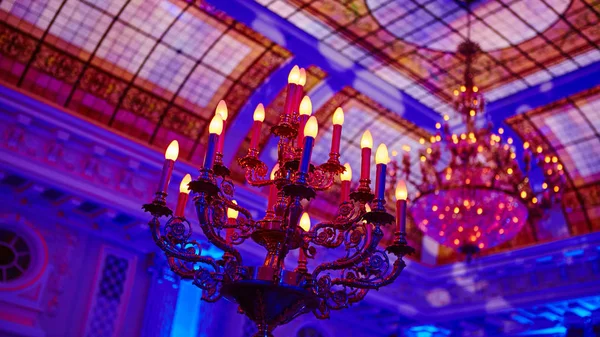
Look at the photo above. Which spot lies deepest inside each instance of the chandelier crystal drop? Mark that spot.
(472, 194)
(274, 293)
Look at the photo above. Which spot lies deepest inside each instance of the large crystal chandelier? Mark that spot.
(472, 194)
(274, 293)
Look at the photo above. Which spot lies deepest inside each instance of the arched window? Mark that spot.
(23, 253)
(15, 255)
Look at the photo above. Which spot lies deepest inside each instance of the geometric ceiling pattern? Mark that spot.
(411, 44)
(152, 69)
(570, 130)
(155, 69)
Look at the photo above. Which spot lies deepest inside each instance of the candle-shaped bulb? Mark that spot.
(232, 213)
(367, 140)
(338, 116)
(367, 208)
(346, 175)
(311, 128)
(401, 191)
(259, 113)
(382, 156)
(305, 222)
(305, 106)
(221, 110)
(302, 77)
(294, 76)
(216, 125)
(172, 151)
(274, 170)
(183, 186)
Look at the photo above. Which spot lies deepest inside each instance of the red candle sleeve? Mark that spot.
(298, 95)
(290, 98)
(365, 167)
(345, 195)
(301, 124)
(336, 138)
(221, 140)
(181, 202)
(229, 231)
(272, 197)
(255, 134)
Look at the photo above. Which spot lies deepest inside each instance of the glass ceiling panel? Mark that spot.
(534, 39)
(569, 129)
(586, 167)
(154, 69)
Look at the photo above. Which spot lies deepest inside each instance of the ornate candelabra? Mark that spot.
(273, 294)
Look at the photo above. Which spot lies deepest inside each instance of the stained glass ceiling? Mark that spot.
(411, 43)
(153, 69)
(570, 129)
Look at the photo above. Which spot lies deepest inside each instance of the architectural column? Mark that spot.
(161, 300)
(188, 316)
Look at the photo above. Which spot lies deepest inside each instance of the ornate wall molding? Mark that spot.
(45, 142)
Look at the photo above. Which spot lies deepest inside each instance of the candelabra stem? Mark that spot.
(272, 258)
(295, 211)
(263, 331)
(302, 263)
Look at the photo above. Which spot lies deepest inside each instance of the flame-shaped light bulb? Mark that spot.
(172, 151)
(305, 222)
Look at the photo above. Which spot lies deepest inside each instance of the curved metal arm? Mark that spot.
(342, 298)
(320, 180)
(188, 273)
(257, 175)
(237, 207)
(372, 238)
(324, 233)
(209, 229)
(171, 251)
(399, 265)
(210, 283)
(358, 296)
